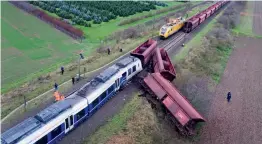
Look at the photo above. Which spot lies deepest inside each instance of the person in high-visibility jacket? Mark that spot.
(58, 96)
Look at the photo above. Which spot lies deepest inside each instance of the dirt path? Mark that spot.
(257, 20)
(238, 122)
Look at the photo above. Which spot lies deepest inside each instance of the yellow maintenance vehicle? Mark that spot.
(172, 26)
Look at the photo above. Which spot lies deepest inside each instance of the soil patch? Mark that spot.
(257, 21)
(238, 122)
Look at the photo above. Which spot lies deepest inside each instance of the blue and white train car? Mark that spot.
(54, 122)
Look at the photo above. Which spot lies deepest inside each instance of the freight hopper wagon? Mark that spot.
(156, 82)
(199, 18)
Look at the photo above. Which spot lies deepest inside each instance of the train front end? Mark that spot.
(163, 33)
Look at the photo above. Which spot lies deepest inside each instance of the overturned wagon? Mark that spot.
(155, 79)
(163, 65)
(177, 107)
(145, 51)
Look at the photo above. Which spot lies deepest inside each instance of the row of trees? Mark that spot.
(81, 12)
(61, 25)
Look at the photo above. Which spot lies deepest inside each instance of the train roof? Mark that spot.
(104, 76)
(21, 130)
(32, 124)
(52, 111)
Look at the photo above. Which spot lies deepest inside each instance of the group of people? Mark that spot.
(109, 50)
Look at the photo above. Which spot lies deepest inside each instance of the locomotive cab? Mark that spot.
(171, 27)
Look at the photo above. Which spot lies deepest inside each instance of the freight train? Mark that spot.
(156, 82)
(189, 24)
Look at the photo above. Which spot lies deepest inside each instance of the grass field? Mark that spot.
(116, 124)
(196, 41)
(100, 31)
(198, 9)
(246, 21)
(30, 47)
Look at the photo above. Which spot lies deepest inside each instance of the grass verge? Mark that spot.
(246, 21)
(40, 86)
(116, 124)
(196, 41)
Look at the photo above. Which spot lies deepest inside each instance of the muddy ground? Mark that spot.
(257, 19)
(240, 121)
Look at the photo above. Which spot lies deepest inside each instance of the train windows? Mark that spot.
(129, 71)
(124, 74)
(80, 114)
(71, 120)
(103, 95)
(56, 132)
(95, 102)
(111, 89)
(67, 124)
(43, 140)
(134, 68)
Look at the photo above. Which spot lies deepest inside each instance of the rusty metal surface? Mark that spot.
(154, 86)
(163, 64)
(177, 97)
(145, 51)
(176, 111)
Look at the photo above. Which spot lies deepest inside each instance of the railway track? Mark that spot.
(171, 42)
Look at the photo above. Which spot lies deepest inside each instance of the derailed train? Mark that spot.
(191, 23)
(156, 81)
(54, 122)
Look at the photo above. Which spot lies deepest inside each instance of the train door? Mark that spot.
(117, 84)
(69, 123)
(123, 78)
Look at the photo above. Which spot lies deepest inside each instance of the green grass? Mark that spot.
(100, 59)
(198, 9)
(31, 47)
(208, 65)
(224, 54)
(197, 40)
(246, 22)
(100, 31)
(117, 123)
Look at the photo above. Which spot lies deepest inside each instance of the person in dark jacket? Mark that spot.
(62, 70)
(56, 86)
(228, 96)
(73, 80)
(108, 51)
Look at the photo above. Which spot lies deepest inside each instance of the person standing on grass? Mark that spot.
(56, 86)
(73, 80)
(62, 70)
(108, 51)
(228, 96)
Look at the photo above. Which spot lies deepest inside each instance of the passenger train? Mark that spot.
(54, 122)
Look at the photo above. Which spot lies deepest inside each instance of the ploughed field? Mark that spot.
(238, 122)
(257, 18)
